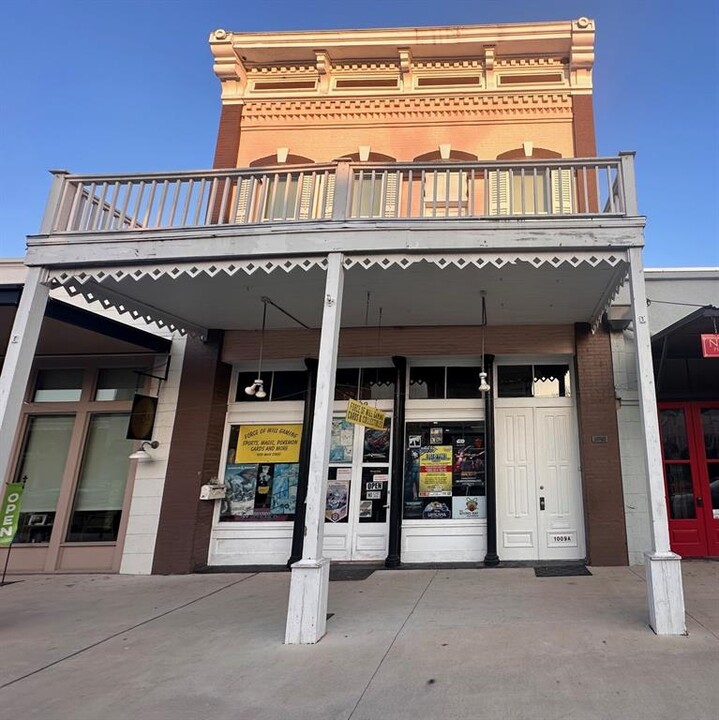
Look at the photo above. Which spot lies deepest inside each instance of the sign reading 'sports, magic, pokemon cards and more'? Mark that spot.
(269, 443)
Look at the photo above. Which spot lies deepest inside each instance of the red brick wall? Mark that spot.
(228, 137)
(585, 139)
(185, 521)
(601, 466)
(242, 345)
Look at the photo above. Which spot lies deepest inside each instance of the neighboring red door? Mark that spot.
(690, 449)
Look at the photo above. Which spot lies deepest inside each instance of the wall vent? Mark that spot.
(448, 81)
(530, 79)
(285, 85)
(366, 83)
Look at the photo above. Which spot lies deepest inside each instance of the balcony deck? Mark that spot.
(540, 198)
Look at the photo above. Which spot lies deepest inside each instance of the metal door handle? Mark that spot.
(541, 503)
(700, 502)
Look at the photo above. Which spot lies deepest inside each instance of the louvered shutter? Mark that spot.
(307, 190)
(312, 195)
(562, 192)
(244, 189)
(329, 181)
(499, 190)
(391, 193)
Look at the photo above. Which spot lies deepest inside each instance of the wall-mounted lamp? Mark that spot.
(618, 318)
(142, 455)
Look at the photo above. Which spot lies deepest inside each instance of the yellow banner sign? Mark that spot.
(362, 414)
(269, 443)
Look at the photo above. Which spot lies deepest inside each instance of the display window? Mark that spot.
(73, 458)
(445, 471)
(261, 473)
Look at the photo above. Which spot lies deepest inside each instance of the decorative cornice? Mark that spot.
(388, 109)
(329, 57)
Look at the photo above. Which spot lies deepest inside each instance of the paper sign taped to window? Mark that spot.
(362, 414)
(269, 443)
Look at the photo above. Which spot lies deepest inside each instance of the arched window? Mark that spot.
(271, 160)
(454, 156)
(445, 191)
(373, 157)
(286, 193)
(373, 193)
(531, 190)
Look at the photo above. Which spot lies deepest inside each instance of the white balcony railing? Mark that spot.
(342, 191)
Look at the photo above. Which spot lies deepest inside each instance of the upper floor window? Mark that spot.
(351, 383)
(534, 190)
(440, 382)
(445, 191)
(284, 196)
(117, 383)
(538, 381)
(58, 385)
(280, 385)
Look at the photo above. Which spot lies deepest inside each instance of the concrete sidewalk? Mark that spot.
(419, 644)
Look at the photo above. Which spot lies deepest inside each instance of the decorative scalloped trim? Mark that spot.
(87, 282)
(480, 260)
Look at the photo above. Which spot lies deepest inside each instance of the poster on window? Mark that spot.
(284, 489)
(337, 499)
(376, 445)
(241, 482)
(341, 441)
(436, 510)
(268, 444)
(468, 466)
(435, 471)
(469, 507)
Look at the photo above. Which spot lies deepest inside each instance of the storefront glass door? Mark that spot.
(358, 492)
(690, 449)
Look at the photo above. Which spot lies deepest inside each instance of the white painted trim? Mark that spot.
(19, 359)
(445, 410)
(576, 234)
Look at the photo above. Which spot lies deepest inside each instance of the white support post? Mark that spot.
(19, 359)
(309, 585)
(663, 567)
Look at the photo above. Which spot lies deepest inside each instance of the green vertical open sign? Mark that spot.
(10, 513)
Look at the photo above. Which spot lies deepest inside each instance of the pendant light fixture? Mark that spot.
(257, 389)
(484, 386)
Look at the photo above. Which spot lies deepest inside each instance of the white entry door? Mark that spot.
(358, 493)
(539, 502)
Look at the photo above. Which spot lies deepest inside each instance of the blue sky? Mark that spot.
(98, 86)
